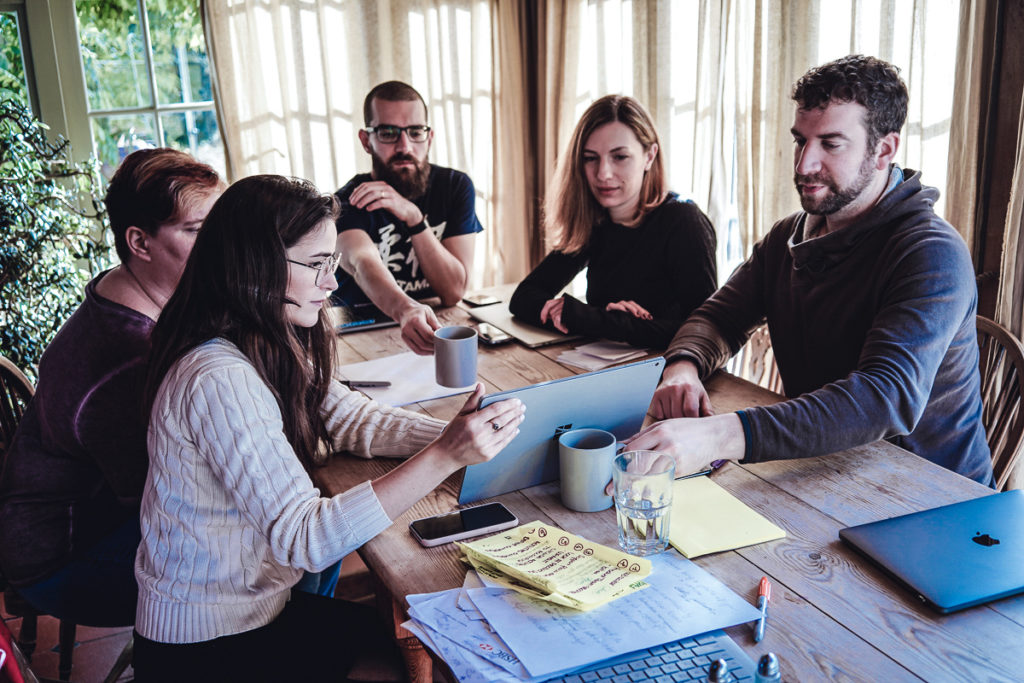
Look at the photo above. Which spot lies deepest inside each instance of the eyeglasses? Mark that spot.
(389, 134)
(322, 268)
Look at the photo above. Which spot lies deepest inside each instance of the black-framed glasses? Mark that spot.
(322, 268)
(389, 134)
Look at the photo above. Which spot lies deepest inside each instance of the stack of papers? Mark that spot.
(486, 632)
(600, 354)
(708, 519)
(548, 563)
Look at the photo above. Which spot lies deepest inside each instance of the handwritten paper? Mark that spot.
(683, 600)
(554, 565)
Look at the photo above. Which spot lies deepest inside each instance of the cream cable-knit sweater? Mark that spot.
(230, 519)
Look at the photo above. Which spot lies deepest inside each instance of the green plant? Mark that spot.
(51, 214)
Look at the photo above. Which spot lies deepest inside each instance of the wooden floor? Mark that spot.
(96, 649)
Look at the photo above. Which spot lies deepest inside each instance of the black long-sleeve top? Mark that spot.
(666, 264)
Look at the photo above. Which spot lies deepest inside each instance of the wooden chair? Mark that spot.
(755, 362)
(1002, 385)
(15, 393)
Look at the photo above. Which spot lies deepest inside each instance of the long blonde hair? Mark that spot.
(570, 210)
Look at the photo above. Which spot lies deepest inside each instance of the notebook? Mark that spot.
(951, 557)
(530, 336)
(682, 660)
(615, 399)
(357, 317)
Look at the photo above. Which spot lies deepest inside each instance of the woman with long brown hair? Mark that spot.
(243, 406)
(650, 256)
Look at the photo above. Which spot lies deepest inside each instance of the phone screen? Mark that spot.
(461, 521)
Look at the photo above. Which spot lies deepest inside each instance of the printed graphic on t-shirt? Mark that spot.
(403, 262)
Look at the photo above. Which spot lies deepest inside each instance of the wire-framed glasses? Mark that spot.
(322, 268)
(389, 134)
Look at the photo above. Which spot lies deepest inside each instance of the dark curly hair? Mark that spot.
(871, 82)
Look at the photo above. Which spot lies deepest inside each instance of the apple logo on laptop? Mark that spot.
(985, 540)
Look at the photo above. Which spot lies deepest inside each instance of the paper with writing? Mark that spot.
(683, 600)
(440, 613)
(557, 566)
(411, 376)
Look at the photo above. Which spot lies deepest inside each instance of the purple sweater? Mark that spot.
(873, 329)
(78, 462)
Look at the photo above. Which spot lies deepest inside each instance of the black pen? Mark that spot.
(702, 473)
(366, 383)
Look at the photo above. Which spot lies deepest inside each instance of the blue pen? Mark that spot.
(764, 594)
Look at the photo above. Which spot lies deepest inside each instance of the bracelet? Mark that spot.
(416, 229)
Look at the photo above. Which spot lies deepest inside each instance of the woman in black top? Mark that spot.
(650, 256)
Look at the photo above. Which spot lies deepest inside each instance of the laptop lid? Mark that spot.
(357, 317)
(615, 399)
(530, 336)
(952, 557)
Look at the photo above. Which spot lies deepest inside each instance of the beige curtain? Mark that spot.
(292, 75)
(1010, 299)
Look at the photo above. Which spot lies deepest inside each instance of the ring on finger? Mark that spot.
(495, 426)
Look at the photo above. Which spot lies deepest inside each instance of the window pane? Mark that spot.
(195, 132)
(113, 54)
(12, 66)
(115, 137)
(179, 52)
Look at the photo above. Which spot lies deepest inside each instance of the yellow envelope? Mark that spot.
(708, 519)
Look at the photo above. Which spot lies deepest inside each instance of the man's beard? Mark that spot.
(839, 197)
(410, 183)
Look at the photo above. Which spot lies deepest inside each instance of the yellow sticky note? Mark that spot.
(708, 519)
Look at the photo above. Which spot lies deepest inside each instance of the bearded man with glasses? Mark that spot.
(406, 230)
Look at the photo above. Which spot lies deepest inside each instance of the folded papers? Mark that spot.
(708, 519)
(551, 564)
(600, 354)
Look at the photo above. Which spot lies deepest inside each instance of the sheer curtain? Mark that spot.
(717, 75)
(292, 75)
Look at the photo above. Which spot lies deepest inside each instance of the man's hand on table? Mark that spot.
(418, 323)
(681, 393)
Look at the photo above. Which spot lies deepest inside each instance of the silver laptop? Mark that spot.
(951, 557)
(615, 399)
(530, 336)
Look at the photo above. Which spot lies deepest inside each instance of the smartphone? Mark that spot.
(481, 299)
(489, 334)
(460, 524)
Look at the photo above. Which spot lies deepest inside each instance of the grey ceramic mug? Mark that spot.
(455, 356)
(585, 464)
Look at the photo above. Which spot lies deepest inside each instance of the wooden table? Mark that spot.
(832, 615)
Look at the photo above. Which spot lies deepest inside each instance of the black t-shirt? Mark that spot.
(448, 206)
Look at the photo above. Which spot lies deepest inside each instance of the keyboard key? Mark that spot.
(709, 649)
(638, 676)
(622, 668)
(605, 673)
(589, 676)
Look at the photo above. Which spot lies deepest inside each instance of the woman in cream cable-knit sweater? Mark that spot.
(242, 406)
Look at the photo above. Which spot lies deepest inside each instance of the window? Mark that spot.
(147, 79)
(15, 68)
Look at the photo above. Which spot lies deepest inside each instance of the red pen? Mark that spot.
(764, 594)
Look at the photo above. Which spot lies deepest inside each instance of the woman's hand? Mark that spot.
(552, 311)
(478, 435)
(631, 307)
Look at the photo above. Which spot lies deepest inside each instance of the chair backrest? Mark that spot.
(755, 361)
(1002, 385)
(15, 393)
